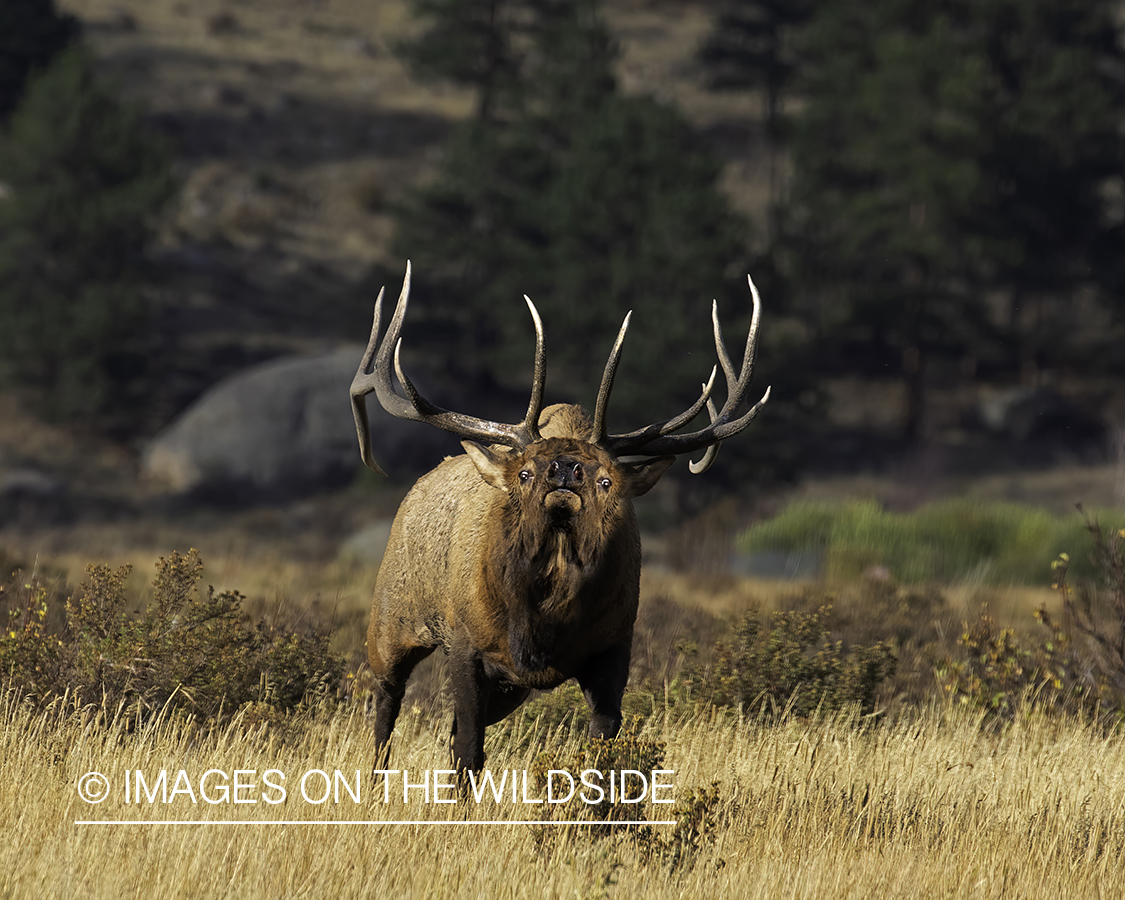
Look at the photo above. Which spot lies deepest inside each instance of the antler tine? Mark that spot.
(363, 383)
(737, 383)
(751, 351)
(599, 431)
(656, 439)
(374, 375)
(538, 378)
(677, 422)
(373, 340)
(420, 403)
(721, 347)
(381, 374)
(659, 429)
(698, 468)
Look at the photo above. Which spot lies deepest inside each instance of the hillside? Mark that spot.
(296, 128)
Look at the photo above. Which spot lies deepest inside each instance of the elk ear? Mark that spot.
(640, 477)
(489, 463)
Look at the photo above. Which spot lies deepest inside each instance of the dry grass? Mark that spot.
(929, 807)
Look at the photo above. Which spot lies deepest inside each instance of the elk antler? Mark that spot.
(657, 439)
(374, 374)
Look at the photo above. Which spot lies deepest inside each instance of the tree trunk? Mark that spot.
(914, 376)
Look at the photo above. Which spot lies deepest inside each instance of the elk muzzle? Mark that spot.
(565, 477)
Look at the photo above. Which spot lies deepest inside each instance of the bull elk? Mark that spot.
(521, 558)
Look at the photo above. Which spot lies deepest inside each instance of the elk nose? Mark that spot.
(564, 473)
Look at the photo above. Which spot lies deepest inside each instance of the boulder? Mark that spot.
(276, 430)
(281, 430)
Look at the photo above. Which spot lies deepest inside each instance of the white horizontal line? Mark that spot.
(359, 822)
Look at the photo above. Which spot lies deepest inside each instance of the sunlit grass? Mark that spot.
(931, 805)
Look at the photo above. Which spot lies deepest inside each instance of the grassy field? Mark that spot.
(927, 801)
(929, 806)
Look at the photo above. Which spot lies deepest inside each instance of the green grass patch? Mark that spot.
(950, 541)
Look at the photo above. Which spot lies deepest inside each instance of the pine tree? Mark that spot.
(590, 202)
(753, 45)
(468, 42)
(31, 33)
(1051, 109)
(85, 181)
(948, 152)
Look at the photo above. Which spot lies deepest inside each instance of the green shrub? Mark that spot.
(1076, 665)
(188, 648)
(699, 819)
(565, 705)
(916, 622)
(697, 815)
(997, 543)
(626, 751)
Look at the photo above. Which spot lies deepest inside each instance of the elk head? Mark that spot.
(562, 523)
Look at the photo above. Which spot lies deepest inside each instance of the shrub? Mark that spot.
(1003, 676)
(915, 621)
(999, 674)
(26, 650)
(565, 705)
(788, 662)
(626, 751)
(188, 648)
(1096, 607)
(697, 815)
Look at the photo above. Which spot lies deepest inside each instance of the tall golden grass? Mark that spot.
(931, 805)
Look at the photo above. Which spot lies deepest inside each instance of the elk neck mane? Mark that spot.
(546, 560)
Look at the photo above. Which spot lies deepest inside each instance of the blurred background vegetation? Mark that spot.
(930, 195)
(937, 197)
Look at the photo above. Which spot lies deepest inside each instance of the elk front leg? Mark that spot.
(389, 691)
(603, 682)
(471, 690)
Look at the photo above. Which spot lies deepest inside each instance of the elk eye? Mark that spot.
(604, 483)
(525, 476)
